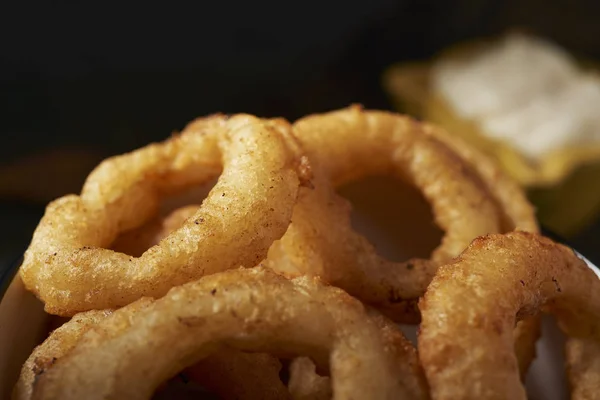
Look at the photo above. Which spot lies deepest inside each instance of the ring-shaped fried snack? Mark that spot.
(517, 214)
(136, 241)
(59, 343)
(68, 265)
(471, 307)
(349, 144)
(353, 143)
(228, 373)
(517, 211)
(129, 354)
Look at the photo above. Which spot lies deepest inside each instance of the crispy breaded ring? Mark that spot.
(527, 331)
(305, 383)
(347, 145)
(136, 241)
(517, 214)
(59, 343)
(352, 143)
(68, 266)
(227, 372)
(128, 354)
(517, 211)
(470, 310)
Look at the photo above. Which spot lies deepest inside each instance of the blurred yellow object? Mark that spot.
(564, 185)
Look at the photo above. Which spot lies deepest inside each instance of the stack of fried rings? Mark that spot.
(68, 267)
(236, 308)
(497, 280)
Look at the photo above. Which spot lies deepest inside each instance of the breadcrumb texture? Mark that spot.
(68, 264)
(471, 307)
(128, 354)
(352, 143)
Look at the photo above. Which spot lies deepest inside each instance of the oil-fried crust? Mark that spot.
(128, 354)
(227, 372)
(136, 241)
(67, 264)
(59, 343)
(517, 211)
(347, 144)
(471, 307)
(517, 214)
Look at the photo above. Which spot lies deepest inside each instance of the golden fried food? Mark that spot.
(517, 214)
(517, 211)
(128, 354)
(220, 296)
(59, 343)
(67, 264)
(583, 366)
(305, 383)
(136, 241)
(227, 372)
(471, 307)
(347, 145)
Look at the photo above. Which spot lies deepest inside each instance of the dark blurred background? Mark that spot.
(80, 80)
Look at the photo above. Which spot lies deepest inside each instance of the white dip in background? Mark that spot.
(525, 91)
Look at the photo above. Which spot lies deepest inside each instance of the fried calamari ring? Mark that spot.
(227, 372)
(517, 214)
(583, 367)
(128, 354)
(347, 145)
(68, 266)
(352, 143)
(306, 383)
(517, 211)
(136, 241)
(59, 343)
(470, 310)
